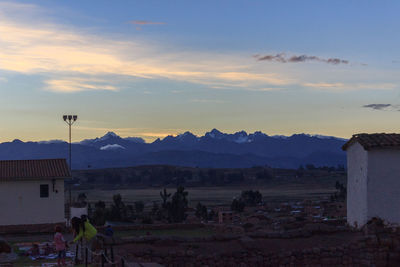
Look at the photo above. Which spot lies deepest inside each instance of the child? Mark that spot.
(59, 242)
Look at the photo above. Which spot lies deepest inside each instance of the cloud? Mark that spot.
(378, 106)
(324, 85)
(350, 86)
(76, 59)
(3, 79)
(200, 100)
(283, 58)
(73, 85)
(146, 22)
(112, 147)
(61, 52)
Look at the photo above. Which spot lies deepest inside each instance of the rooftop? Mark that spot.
(33, 169)
(376, 140)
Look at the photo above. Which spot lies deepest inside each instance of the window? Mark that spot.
(44, 190)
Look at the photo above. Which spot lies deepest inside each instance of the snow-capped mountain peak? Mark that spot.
(107, 136)
(215, 134)
(186, 135)
(240, 137)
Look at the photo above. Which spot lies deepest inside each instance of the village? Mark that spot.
(339, 229)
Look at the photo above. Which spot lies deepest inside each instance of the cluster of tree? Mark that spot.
(173, 210)
(247, 198)
(118, 211)
(340, 194)
(172, 175)
(310, 167)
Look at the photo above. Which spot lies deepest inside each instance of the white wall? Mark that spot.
(20, 203)
(357, 169)
(384, 184)
(78, 212)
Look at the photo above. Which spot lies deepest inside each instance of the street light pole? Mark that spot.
(70, 119)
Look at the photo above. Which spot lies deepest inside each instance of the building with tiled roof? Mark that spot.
(376, 140)
(373, 178)
(32, 191)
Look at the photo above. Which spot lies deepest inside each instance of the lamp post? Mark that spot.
(70, 119)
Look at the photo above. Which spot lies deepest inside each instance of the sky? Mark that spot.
(155, 68)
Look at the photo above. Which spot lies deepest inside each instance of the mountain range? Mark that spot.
(215, 150)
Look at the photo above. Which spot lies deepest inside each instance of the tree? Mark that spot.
(237, 205)
(118, 209)
(82, 198)
(177, 208)
(164, 196)
(310, 167)
(251, 198)
(99, 215)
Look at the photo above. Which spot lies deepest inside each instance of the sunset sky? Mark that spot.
(153, 68)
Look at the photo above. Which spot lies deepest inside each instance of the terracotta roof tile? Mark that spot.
(31, 169)
(376, 140)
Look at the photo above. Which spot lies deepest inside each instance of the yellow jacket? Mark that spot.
(89, 232)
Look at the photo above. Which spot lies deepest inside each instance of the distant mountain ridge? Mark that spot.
(215, 149)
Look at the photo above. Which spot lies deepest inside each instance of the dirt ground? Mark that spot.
(238, 246)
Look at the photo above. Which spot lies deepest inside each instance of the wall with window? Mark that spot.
(31, 202)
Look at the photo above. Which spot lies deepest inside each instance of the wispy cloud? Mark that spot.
(283, 58)
(3, 79)
(201, 100)
(73, 85)
(146, 22)
(58, 51)
(378, 106)
(350, 86)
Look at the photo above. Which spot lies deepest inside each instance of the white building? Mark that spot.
(32, 191)
(373, 178)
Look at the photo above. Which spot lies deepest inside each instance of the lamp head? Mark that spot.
(65, 117)
(75, 117)
(69, 117)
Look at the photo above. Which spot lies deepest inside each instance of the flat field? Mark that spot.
(280, 191)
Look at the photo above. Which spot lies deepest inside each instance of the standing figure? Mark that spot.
(84, 230)
(60, 245)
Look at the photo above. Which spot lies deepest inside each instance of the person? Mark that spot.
(60, 245)
(84, 230)
(109, 231)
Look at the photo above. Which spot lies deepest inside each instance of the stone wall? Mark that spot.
(29, 228)
(49, 228)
